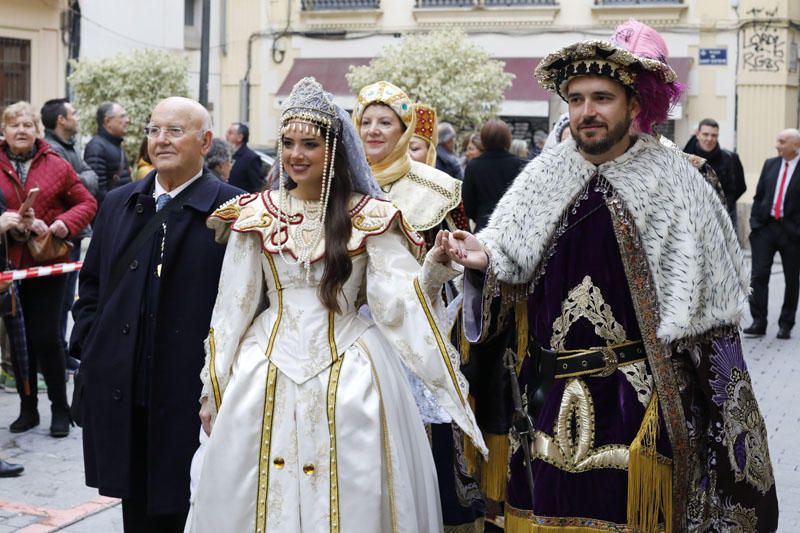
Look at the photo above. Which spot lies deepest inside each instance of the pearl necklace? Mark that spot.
(306, 235)
(313, 221)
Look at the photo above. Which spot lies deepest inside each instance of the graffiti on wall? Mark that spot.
(762, 47)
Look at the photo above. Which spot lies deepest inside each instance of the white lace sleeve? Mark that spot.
(238, 299)
(407, 307)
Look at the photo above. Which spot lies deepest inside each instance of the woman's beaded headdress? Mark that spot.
(309, 110)
(398, 163)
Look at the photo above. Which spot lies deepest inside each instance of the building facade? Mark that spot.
(737, 57)
(111, 27)
(34, 47)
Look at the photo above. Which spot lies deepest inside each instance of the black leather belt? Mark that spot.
(596, 361)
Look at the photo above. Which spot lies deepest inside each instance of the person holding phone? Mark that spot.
(63, 207)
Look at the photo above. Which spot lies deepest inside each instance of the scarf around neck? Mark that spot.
(20, 161)
(396, 164)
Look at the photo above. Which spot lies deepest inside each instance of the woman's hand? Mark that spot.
(465, 249)
(205, 416)
(438, 252)
(39, 227)
(9, 220)
(27, 220)
(59, 229)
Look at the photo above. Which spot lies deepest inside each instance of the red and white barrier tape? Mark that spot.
(40, 272)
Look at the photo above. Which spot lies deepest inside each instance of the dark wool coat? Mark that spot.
(763, 205)
(105, 155)
(486, 180)
(107, 339)
(61, 196)
(246, 171)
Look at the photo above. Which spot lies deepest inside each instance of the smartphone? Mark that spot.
(29, 200)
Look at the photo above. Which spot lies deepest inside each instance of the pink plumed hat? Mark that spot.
(636, 57)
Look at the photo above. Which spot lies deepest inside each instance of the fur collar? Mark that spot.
(695, 260)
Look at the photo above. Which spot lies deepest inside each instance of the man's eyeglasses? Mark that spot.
(172, 132)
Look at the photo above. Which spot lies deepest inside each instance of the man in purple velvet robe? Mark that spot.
(622, 265)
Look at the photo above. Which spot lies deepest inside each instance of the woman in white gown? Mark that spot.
(314, 426)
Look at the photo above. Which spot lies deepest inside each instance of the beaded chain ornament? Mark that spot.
(307, 110)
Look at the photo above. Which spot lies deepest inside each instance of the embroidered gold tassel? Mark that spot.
(649, 480)
(519, 524)
(494, 474)
(470, 452)
(521, 314)
(464, 347)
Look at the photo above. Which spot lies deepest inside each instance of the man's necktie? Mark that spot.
(162, 200)
(776, 212)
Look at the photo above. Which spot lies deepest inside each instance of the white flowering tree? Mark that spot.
(137, 80)
(444, 70)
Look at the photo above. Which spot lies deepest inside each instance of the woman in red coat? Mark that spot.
(63, 207)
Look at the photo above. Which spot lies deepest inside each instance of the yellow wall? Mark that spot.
(763, 102)
(38, 22)
(767, 89)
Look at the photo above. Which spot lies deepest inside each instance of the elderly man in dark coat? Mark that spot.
(247, 172)
(141, 319)
(104, 152)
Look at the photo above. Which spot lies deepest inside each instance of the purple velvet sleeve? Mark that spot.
(472, 307)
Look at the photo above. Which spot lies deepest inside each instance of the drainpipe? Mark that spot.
(244, 83)
(71, 37)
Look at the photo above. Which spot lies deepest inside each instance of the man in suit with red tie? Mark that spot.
(775, 224)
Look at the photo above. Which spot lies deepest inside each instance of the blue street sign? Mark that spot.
(713, 56)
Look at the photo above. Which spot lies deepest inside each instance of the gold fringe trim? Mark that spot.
(521, 314)
(649, 479)
(494, 472)
(517, 522)
(470, 451)
(473, 527)
(463, 346)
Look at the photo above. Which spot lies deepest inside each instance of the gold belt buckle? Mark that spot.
(611, 361)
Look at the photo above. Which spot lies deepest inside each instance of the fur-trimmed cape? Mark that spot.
(701, 278)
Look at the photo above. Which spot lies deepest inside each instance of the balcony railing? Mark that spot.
(339, 5)
(509, 3)
(635, 2)
(477, 3)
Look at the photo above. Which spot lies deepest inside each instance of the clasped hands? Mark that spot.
(461, 247)
(57, 228)
(28, 222)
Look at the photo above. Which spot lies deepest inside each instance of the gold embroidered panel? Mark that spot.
(586, 301)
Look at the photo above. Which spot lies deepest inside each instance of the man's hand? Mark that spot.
(465, 249)
(59, 229)
(205, 416)
(39, 226)
(9, 220)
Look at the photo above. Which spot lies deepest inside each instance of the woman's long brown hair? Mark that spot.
(338, 228)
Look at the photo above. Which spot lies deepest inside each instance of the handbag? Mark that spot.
(47, 247)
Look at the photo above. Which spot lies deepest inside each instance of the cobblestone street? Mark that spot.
(51, 494)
